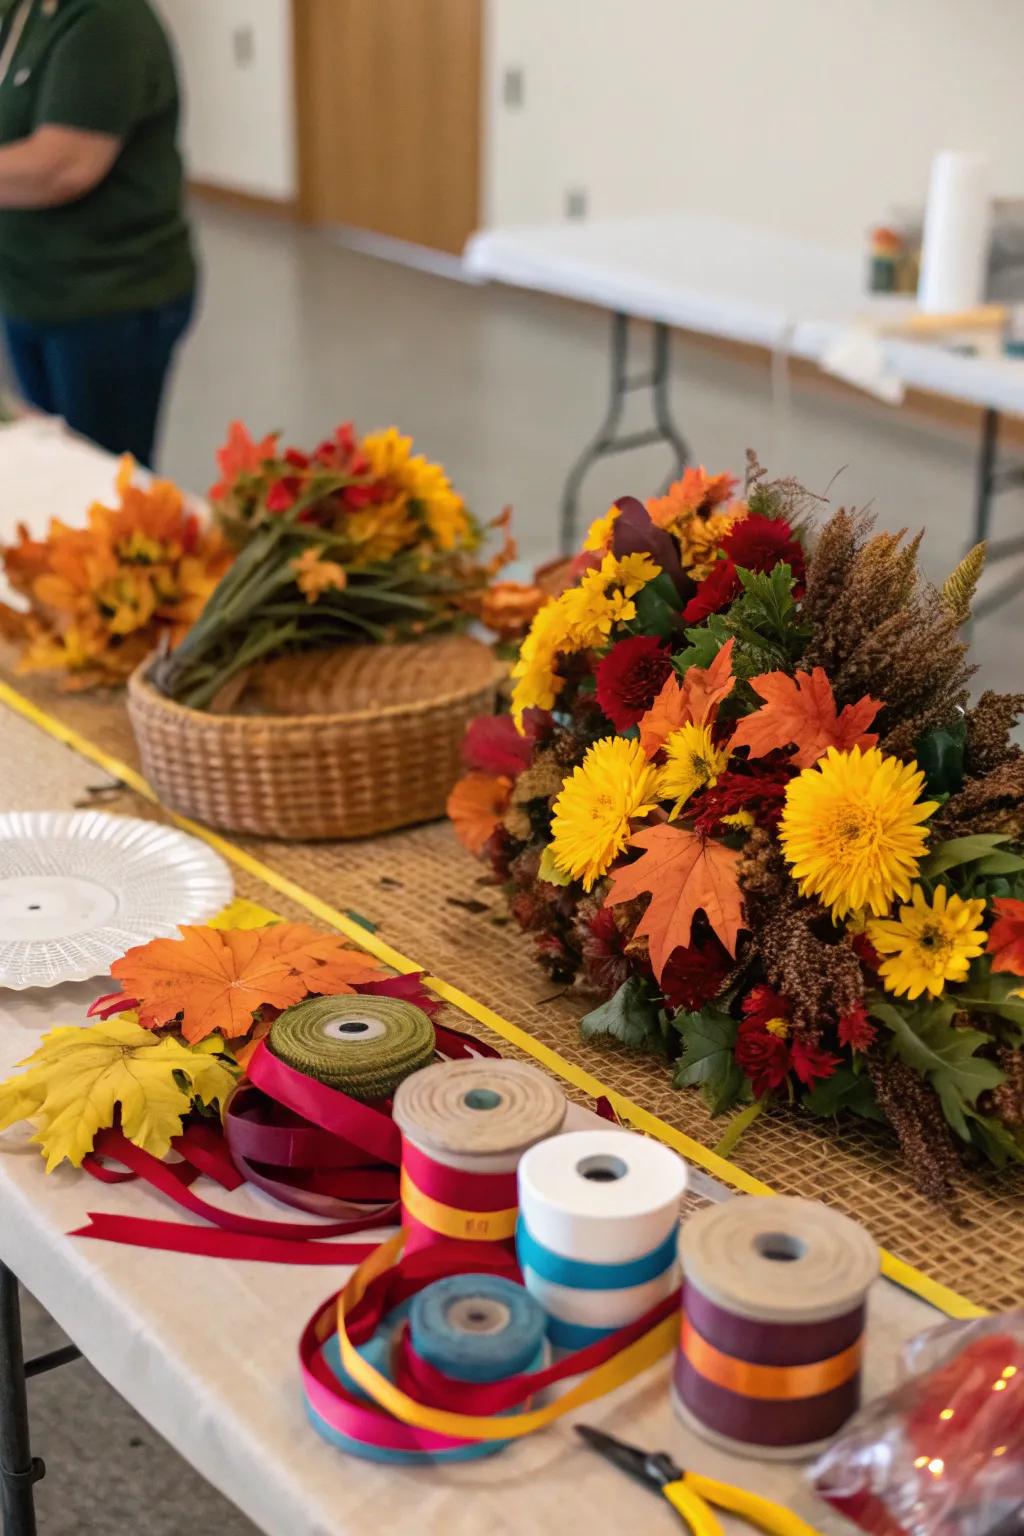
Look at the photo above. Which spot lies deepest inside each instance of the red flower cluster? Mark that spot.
(756, 544)
(768, 1047)
(695, 974)
(761, 791)
(630, 678)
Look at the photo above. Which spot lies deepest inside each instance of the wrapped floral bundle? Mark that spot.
(361, 540)
(743, 798)
(100, 598)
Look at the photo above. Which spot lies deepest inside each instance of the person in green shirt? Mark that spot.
(97, 273)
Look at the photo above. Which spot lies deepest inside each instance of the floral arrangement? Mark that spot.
(743, 798)
(359, 540)
(174, 1041)
(100, 598)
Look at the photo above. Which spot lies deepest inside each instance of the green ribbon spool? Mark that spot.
(363, 1045)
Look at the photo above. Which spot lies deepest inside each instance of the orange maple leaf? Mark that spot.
(1006, 936)
(684, 874)
(326, 964)
(476, 806)
(215, 979)
(696, 699)
(801, 710)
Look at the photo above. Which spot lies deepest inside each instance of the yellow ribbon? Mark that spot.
(897, 1270)
(449, 1221)
(629, 1362)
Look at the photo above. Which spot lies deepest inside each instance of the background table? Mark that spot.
(717, 278)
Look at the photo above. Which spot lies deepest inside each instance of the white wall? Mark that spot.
(239, 116)
(812, 116)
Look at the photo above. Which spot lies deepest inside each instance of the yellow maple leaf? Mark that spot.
(78, 1078)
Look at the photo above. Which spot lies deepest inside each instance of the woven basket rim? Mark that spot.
(140, 686)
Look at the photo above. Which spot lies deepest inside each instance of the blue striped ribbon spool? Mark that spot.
(578, 1275)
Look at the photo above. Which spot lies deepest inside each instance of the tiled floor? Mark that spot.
(504, 388)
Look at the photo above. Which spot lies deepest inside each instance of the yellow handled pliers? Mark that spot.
(692, 1495)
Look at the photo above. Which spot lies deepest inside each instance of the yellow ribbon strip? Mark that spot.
(629, 1362)
(937, 1295)
(449, 1221)
(773, 1383)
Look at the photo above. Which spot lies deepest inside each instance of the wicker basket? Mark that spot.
(346, 743)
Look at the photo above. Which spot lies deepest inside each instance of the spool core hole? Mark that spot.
(353, 1027)
(481, 1098)
(33, 906)
(780, 1247)
(602, 1168)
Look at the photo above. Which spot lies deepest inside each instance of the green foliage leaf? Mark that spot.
(706, 640)
(845, 1089)
(957, 851)
(994, 1139)
(632, 1017)
(988, 991)
(707, 1061)
(926, 1040)
(941, 754)
(657, 607)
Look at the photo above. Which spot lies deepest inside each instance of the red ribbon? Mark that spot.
(457, 1186)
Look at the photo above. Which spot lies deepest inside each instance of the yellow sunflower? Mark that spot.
(426, 485)
(852, 829)
(613, 784)
(692, 762)
(928, 945)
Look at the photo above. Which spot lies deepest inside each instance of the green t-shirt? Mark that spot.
(103, 65)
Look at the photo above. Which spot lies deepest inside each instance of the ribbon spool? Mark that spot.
(363, 1046)
(473, 1329)
(598, 1229)
(774, 1302)
(464, 1127)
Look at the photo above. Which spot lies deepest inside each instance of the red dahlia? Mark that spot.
(630, 678)
(716, 591)
(759, 543)
(694, 974)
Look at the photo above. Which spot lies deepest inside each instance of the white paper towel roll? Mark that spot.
(602, 1197)
(957, 225)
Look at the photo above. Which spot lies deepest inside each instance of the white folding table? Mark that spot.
(717, 278)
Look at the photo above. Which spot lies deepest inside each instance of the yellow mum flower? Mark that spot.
(851, 829)
(613, 784)
(929, 945)
(632, 572)
(537, 684)
(599, 534)
(693, 762)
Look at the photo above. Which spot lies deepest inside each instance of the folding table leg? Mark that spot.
(986, 476)
(19, 1469)
(606, 441)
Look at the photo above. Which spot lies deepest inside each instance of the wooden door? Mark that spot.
(388, 95)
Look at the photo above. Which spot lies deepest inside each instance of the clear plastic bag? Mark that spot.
(942, 1454)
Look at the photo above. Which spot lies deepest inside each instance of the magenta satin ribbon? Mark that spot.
(166, 1178)
(458, 1187)
(301, 1164)
(369, 1128)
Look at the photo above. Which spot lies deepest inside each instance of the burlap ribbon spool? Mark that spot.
(479, 1115)
(362, 1045)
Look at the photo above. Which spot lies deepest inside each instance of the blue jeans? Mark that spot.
(106, 375)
